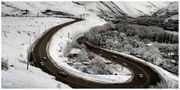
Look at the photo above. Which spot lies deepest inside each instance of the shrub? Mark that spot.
(159, 85)
(4, 64)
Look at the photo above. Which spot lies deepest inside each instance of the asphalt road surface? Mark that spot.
(40, 58)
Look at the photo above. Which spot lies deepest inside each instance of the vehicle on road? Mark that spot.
(62, 73)
(100, 54)
(140, 76)
(42, 63)
(116, 83)
(44, 58)
(101, 51)
(125, 64)
(114, 57)
(107, 62)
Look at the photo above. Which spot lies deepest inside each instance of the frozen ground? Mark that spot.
(15, 43)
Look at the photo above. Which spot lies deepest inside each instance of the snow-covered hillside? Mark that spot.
(24, 22)
(17, 35)
(36, 8)
(132, 9)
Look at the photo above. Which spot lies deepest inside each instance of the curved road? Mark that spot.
(38, 52)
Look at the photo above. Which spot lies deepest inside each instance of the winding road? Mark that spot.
(39, 50)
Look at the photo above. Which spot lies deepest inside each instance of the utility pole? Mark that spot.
(28, 55)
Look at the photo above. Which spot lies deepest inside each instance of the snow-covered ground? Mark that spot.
(15, 43)
(19, 32)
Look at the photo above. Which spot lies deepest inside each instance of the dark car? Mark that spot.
(62, 73)
(114, 57)
(44, 58)
(42, 63)
(125, 64)
(100, 54)
(101, 51)
(116, 83)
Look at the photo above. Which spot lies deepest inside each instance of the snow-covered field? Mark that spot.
(15, 43)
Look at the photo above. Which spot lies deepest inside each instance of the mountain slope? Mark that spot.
(132, 9)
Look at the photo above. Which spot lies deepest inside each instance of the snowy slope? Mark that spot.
(172, 6)
(36, 8)
(133, 8)
(20, 77)
(15, 38)
(15, 43)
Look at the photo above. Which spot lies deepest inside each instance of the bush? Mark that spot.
(159, 85)
(83, 56)
(98, 65)
(4, 64)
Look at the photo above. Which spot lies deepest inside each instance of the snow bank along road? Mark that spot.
(38, 52)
